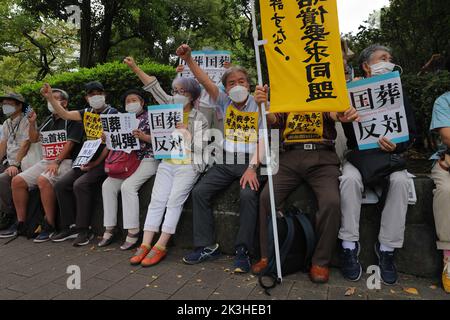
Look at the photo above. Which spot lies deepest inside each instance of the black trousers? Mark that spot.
(215, 180)
(75, 192)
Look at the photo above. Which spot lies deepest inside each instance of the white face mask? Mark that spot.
(238, 94)
(50, 108)
(97, 102)
(134, 107)
(382, 67)
(180, 99)
(8, 109)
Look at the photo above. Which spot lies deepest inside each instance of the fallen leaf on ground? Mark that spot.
(179, 276)
(199, 280)
(411, 291)
(227, 270)
(154, 277)
(393, 291)
(433, 287)
(350, 291)
(106, 250)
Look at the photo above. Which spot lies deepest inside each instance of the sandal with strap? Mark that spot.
(130, 242)
(107, 241)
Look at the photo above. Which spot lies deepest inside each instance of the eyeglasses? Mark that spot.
(179, 91)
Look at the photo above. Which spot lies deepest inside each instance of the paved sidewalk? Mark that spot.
(38, 271)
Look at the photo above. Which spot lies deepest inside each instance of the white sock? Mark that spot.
(349, 245)
(386, 248)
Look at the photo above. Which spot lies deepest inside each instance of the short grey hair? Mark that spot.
(232, 70)
(189, 85)
(63, 93)
(368, 52)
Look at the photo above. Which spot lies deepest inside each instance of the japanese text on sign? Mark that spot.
(166, 141)
(304, 127)
(212, 62)
(379, 101)
(241, 127)
(118, 129)
(53, 143)
(86, 153)
(303, 50)
(92, 126)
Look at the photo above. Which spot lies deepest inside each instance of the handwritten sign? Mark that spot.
(92, 126)
(53, 143)
(212, 62)
(86, 153)
(118, 129)
(379, 101)
(304, 55)
(240, 126)
(304, 127)
(167, 142)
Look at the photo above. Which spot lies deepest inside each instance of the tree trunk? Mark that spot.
(87, 38)
(104, 43)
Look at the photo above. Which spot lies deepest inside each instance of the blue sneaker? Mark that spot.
(202, 254)
(12, 231)
(388, 270)
(44, 236)
(241, 261)
(351, 267)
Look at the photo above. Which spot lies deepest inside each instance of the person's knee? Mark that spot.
(79, 186)
(350, 180)
(43, 183)
(129, 188)
(248, 194)
(18, 183)
(399, 179)
(199, 192)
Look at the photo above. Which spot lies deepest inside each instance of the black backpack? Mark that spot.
(297, 243)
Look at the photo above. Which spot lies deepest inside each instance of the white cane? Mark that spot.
(266, 145)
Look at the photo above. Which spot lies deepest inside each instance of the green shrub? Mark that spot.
(115, 77)
(423, 92)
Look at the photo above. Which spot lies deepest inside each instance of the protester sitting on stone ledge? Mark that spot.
(175, 178)
(375, 60)
(134, 101)
(440, 123)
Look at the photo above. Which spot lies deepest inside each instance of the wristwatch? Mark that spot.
(253, 166)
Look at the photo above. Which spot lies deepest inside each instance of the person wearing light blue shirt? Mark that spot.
(440, 123)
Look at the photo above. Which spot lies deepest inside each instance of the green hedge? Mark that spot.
(116, 78)
(423, 91)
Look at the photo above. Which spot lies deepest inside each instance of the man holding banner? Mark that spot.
(379, 164)
(60, 141)
(76, 190)
(308, 94)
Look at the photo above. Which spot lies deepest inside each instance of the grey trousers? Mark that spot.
(217, 179)
(393, 217)
(6, 200)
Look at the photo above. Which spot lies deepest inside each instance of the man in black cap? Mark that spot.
(14, 145)
(75, 191)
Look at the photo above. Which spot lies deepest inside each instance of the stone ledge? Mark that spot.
(418, 257)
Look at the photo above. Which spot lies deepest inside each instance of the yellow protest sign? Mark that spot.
(304, 55)
(304, 127)
(92, 126)
(241, 126)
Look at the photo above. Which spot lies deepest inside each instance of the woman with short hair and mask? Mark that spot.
(135, 103)
(174, 178)
(75, 191)
(375, 60)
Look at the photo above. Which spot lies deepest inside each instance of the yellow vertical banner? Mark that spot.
(304, 55)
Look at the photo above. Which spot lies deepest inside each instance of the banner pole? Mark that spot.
(257, 43)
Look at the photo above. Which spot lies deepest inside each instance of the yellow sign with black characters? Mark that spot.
(304, 56)
(92, 126)
(304, 127)
(241, 126)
